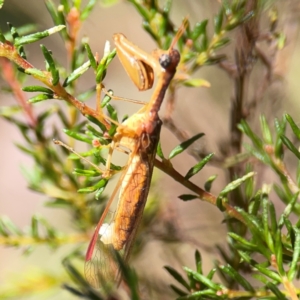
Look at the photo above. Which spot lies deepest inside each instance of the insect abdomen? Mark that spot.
(133, 196)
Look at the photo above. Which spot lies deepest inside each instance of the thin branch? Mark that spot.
(9, 76)
(167, 168)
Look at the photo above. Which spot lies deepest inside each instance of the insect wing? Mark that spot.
(101, 269)
(101, 264)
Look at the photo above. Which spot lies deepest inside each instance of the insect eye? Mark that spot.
(165, 60)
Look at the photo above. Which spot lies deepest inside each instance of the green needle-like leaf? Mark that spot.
(31, 38)
(289, 208)
(51, 64)
(244, 126)
(273, 218)
(296, 255)
(187, 197)
(90, 56)
(198, 167)
(265, 221)
(246, 245)
(255, 226)
(77, 73)
(280, 129)
(88, 173)
(88, 9)
(238, 278)
(211, 273)
(177, 277)
(177, 290)
(264, 270)
(36, 72)
(222, 42)
(40, 98)
(200, 295)
(34, 88)
(3, 229)
(199, 29)
(34, 227)
(101, 73)
(255, 204)
(183, 146)
(52, 10)
(10, 226)
(290, 145)
(159, 151)
(198, 260)
(196, 82)
(203, 279)
(113, 114)
(209, 182)
(99, 185)
(234, 184)
(276, 291)
(78, 136)
(142, 11)
(266, 131)
(106, 99)
(278, 252)
(97, 122)
(218, 20)
(293, 125)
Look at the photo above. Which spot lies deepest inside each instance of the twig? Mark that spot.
(167, 168)
(9, 76)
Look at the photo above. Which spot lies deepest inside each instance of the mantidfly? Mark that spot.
(139, 135)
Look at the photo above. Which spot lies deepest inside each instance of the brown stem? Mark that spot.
(167, 168)
(7, 50)
(9, 76)
(81, 106)
(180, 134)
(247, 36)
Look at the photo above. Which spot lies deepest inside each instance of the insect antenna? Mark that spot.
(179, 33)
(108, 93)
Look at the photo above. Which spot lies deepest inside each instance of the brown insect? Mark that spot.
(139, 135)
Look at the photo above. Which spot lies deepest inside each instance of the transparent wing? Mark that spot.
(100, 264)
(102, 269)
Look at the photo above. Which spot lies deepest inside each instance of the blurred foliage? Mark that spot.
(262, 242)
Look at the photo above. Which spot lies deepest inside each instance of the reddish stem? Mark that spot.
(9, 76)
